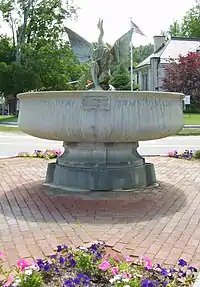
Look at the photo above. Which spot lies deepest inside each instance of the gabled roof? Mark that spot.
(172, 49)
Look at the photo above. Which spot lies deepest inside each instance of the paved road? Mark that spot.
(11, 144)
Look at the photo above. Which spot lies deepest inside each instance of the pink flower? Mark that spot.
(124, 275)
(106, 256)
(129, 275)
(129, 259)
(33, 265)
(115, 270)
(147, 263)
(116, 258)
(9, 281)
(2, 255)
(105, 265)
(22, 264)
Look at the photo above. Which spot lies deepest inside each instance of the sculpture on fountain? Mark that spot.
(100, 128)
(100, 55)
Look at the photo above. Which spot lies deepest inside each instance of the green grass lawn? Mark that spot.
(8, 119)
(192, 119)
(5, 129)
(189, 132)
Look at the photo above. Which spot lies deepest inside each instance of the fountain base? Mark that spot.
(100, 167)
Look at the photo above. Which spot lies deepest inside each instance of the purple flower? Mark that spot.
(193, 269)
(98, 255)
(47, 267)
(57, 270)
(59, 248)
(172, 271)
(182, 263)
(61, 260)
(53, 256)
(147, 283)
(93, 247)
(77, 281)
(182, 273)
(68, 283)
(164, 272)
(72, 263)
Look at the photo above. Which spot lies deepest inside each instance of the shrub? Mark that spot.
(197, 154)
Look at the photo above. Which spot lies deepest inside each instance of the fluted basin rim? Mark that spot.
(80, 94)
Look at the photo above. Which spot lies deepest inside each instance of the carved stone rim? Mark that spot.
(81, 94)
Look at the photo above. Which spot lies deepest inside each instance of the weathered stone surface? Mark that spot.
(94, 167)
(95, 116)
(100, 131)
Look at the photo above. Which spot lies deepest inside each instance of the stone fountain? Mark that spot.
(100, 127)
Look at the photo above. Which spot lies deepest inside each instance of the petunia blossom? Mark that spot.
(116, 258)
(115, 270)
(129, 259)
(2, 255)
(147, 262)
(9, 281)
(105, 265)
(22, 264)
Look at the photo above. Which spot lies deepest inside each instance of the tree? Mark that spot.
(184, 76)
(32, 20)
(121, 79)
(55, 67)
(37, 57)
(190, 24)
(175, 29)
(141, 53)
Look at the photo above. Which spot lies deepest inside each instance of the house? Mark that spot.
(151, 71)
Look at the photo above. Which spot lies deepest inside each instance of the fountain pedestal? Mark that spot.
(100, 167)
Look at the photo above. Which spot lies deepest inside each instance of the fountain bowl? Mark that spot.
(100, 131)
(95, 116)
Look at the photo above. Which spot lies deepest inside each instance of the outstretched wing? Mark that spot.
(82, 48)
(121, 48)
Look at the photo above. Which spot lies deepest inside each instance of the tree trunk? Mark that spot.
(21, 38)
(11, 101)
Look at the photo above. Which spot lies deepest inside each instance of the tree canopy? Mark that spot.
(184, 76)
(37, 56)
(189, 26)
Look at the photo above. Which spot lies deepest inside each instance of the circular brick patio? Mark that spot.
(161, 222)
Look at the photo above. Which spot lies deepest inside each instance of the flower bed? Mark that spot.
(47, 154)
(187, 154)
(93, 266)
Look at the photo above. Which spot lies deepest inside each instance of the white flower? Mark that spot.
(83, 248)
(16, 283)
(125, 280)
(116, 277)
(127, 286)
(28, 272)
(112, 280)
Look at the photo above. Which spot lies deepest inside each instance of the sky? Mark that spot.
(151, 16)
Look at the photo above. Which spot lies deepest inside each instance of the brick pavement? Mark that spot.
(161, 222)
